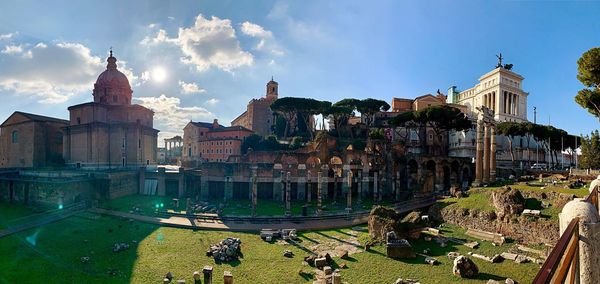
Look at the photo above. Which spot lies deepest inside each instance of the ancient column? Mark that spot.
(160, 177)
(397, 185)
(142, 180)
(335, 185)
(492, 153)
(486, 154)
(227, 277)
(309, 187)
(288, 197)
(375, 187)
(345, 184)
(254, 192)
(319, 195)
(181, 183)
(277, 186)
(204, 191)
(325, 179)
(301, 182)
(589, 239)
(363, 186)
(479, 154)
(207, 270)
(228, 194)
(349, 192)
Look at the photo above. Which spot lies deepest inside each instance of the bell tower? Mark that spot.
(272, 87)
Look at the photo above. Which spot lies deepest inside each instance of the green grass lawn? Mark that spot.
(147, 206)
(51, 254)
(12, 212)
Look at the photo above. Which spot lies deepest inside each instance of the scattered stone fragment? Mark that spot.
(169, 276)
(453, 255)
(492, 281)
(428, 239)
(166, 281)
(288, 253)
(343, 254)
(181, 281)
(327, 270)
(431, 261)
(521, 259)
(464, 267)
(227, 250)
(509, 281)
(509, 256)
(343, 265)
(406, 281)
(472, 245)
(426, 251)
(320, 262)
(120, 247)
(197, 276)
(85, 259)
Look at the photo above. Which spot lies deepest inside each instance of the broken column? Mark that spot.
(397, 185)
(300, 193)
(486, 154)
(319, 198)
(254, 191)
(308, 187)
(589, 239)
(228, 194)
(277, 179)
(207, 271)
(479, 154)
(492, 153)
(336, 278)
(288, 197)
(349, 192)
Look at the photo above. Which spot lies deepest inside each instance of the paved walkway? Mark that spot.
(245, 224)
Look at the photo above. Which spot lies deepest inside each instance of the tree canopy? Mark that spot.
(589, 75)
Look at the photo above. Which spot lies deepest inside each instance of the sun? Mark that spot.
(159, 74)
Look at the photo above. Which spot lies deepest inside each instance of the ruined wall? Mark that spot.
(520, 228)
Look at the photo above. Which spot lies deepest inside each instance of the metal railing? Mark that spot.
(563, 261)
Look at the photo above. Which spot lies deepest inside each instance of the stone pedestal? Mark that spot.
(207, 271)
(227, 277)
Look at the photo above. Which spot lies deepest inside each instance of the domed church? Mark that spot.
(110, 132)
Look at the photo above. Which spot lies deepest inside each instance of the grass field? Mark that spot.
(11, 212)
(51, 254)
(147, 206)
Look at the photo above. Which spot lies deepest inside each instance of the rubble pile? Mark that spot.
(227, 250)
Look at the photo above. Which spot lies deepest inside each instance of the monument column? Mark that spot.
(288, 193)
(493, 153)
(479, 154)
(349, 193)
(309, 186)
(319, 197)
(486, 154)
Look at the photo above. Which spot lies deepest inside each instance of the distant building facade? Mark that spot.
(258, 116)
(31, 141)
(211, 142)
(173, 150)
(110, 132)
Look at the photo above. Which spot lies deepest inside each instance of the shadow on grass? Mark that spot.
(487, 276)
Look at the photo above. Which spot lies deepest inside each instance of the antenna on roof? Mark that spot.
(111, 51)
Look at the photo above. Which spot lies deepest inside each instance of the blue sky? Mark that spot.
(217, 55)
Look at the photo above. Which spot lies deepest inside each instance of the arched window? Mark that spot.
(15, 136)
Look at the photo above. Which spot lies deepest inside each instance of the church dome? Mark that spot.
(112, 87)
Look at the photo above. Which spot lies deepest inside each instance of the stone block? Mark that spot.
(320, 262)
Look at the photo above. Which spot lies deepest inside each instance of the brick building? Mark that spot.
(31, 141)
(110, 132)
(211, 142)
(258, 116)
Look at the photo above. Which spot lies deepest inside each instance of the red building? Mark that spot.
(211, 142)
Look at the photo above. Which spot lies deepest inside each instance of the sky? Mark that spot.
(201, 60)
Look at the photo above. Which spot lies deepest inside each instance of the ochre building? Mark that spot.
(258, 117)
(211, 142)
(31, 141)
(110, 132)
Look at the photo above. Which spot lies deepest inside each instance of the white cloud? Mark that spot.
(50, 72)
(190, 88)
(145, 76)
(8, 35)
(208, 43)
(255, 30)
(11, 49)
(212, 102)
(170, 115)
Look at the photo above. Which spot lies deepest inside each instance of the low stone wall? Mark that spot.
(519, 228)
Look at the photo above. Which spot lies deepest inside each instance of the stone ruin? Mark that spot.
(269, 235)
(383, 220)
(120, 247)
(227, 250)
(398, 248)
(508, 202)
(465, 267)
